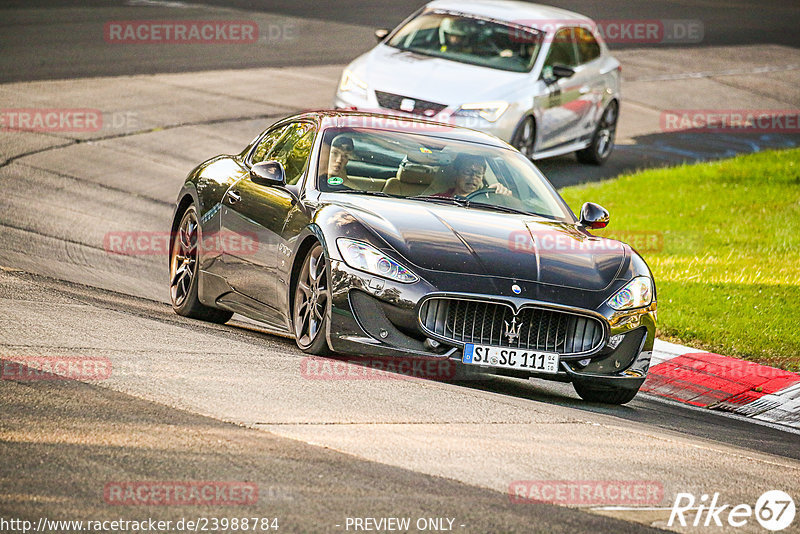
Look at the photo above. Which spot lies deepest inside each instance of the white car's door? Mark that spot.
(558, 121)
(592, 79)
(569, 102)
(587, 91)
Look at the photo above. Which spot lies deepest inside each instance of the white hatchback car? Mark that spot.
(536, 76)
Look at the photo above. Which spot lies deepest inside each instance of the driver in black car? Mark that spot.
(341, 151)
(469, 177)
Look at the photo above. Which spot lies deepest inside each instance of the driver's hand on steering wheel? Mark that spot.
(500, 189)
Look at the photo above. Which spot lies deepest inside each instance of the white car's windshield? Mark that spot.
(469, 39)
(435, 169)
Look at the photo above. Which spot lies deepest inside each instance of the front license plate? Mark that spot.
(509, 358)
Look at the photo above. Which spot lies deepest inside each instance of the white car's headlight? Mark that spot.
(635, 294)
(367, 258)
(491, 111)
(351, 82)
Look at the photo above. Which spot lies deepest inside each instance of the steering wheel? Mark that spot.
(483, 191)
(497, 199)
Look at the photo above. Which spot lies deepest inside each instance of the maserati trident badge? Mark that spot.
(512, 331)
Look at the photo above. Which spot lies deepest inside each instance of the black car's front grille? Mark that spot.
(491, 323)
(421, 107)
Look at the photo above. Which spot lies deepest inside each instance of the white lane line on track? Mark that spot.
(713, 73)
(157, 3)
(633, 508)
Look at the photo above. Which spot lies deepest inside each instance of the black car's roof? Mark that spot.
(396, 123)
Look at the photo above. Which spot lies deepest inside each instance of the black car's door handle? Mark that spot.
(234, 196)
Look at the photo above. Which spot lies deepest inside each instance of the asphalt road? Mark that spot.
(65, 192)
(192, 401)
(50, 39)
(108, 437)
(180, 392)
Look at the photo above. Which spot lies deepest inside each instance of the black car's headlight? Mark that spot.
(364, 257)
(635, 294)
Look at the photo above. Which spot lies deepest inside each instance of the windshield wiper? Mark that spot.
(459, 201)
(455, 201)
(362, 192)
(507, 209)
(441, 200)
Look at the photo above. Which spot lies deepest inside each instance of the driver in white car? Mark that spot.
(453, 36)
(469, 177)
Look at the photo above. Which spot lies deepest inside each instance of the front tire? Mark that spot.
(524, 137)
(604, 394)
(183, 272)
(603, 139)
(311, 301)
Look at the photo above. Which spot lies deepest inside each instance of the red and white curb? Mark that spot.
(709, 380)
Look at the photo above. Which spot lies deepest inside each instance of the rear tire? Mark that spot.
(603, 139)
(604, 395)
(312, 297)
(184, 269)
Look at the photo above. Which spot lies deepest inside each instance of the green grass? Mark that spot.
(723, 242)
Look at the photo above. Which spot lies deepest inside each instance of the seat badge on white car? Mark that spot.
(407, 104)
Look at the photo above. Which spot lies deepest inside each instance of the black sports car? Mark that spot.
(375, 235)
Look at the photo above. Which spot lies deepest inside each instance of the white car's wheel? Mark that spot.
(603, 139)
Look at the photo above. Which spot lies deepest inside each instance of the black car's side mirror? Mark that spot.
(594, 216)
(562, 71)
(380, 34)
(268, 173)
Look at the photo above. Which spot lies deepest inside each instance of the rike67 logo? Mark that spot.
(774, 511)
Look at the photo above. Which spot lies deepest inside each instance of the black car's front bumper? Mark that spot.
(371, 316)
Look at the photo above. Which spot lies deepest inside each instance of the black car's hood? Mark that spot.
(482, 242)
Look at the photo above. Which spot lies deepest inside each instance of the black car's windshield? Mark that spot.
(470, 39)
(430, 168)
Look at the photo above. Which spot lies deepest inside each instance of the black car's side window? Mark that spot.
(588, 47)
(264, 146)
(562, 50)
(293, 149)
